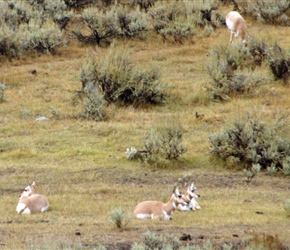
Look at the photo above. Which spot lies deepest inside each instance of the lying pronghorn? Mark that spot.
(191, 195)
(158, 210)
(236, 25)
(30, 202)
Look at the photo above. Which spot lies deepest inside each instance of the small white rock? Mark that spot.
(42, 118)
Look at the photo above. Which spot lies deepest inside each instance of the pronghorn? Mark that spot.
(191, 195)
(236, 25)
(31, 202)
(158, 210)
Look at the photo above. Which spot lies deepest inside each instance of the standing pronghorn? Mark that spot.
(191, 195)
(158, 210)
(31, 202)
(236, 25)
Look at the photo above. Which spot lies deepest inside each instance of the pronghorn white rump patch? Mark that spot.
(143, 216)
(230, 24)
(44, 209)
(22, 209)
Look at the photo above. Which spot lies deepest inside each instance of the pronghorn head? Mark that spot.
(179, 197)
(192, 191)
(29, 190)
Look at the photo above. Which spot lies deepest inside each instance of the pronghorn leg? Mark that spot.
(231, 36)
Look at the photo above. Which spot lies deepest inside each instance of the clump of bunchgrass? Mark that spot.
(56, 114)
(25, 113)
(250, 173)
(287, 207)
(119, 219)
(2, 95)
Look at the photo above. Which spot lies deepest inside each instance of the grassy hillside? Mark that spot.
(81, 166)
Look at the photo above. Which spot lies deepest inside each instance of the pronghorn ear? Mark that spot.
(186, 184)
(174, 189)
(33, 184)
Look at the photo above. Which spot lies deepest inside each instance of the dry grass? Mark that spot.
(81, 166)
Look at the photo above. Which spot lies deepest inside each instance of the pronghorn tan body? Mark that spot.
(158, 210)
(191, 195)
(31, 202)
(236, 25)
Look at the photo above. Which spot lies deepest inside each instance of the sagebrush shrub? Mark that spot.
(13, 13)
(279, 62)
(25, 31)
(153, 241)
(203, 14)
(9, 45)
(122, 83)
(44, 38)
(230, 72)
(132, 23)
(104, 25)
(250, 141)
(136, 246)
(286, 165)
(257, 52)
(274, 12)
(172, 21)
(56, 10)
(143, 4)
(93, 105)
(160, 146)
(164, 142)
